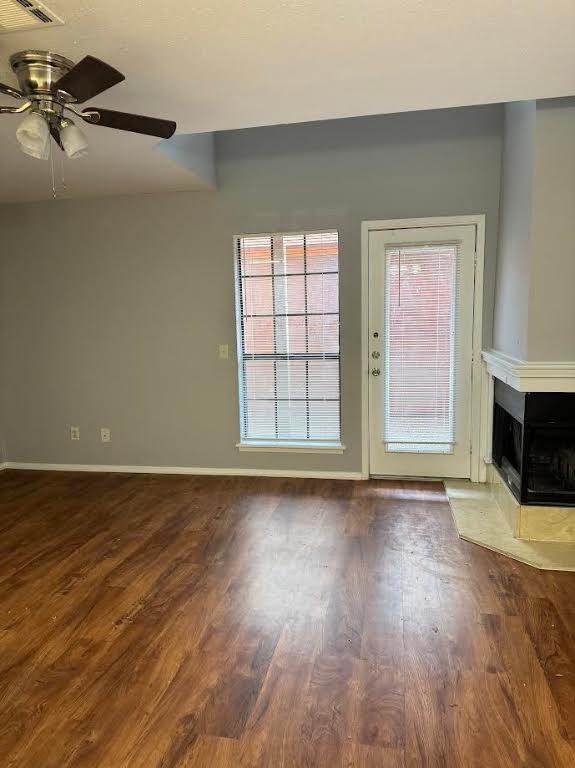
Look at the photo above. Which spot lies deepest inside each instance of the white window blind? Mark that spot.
(420, 303)
(287, 288)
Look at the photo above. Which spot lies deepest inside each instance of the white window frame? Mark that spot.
(479, 385)
(279, 446)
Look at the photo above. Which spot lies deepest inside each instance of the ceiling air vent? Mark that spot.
(19, 15)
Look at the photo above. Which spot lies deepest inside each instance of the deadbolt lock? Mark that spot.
(375, 371)
(375, 354)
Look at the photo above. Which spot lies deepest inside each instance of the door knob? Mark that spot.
(375, 371)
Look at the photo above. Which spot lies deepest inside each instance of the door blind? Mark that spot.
(288, 337)
(420, 305)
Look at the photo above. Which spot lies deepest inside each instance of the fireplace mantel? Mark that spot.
(530, 376)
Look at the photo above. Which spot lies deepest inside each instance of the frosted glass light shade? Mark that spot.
(73, 140)
(33, 135)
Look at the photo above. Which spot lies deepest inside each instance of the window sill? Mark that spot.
(290, 447)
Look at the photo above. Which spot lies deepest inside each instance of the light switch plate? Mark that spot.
(223, 351)
(74, 433)
(105, 434)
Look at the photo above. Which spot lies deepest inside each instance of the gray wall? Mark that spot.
(113, 308)
(514, 249)
(534, 317)
(552, 286)
(4, 335)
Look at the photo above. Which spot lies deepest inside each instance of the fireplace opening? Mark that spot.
(551, 462)
(534, 444)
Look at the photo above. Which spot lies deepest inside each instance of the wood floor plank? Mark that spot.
(527, 705)
(556, 654)
(179, 622)
(345, 615)
(382, 637)
(361, 756)
(273, 734)
(428, 716)
(330, 709)
(381, 706)
(211, 752)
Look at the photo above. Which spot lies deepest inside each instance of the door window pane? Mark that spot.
(420, 343)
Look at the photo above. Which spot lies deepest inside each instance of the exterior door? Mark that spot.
(421, 291)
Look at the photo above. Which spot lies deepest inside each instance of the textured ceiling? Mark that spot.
(232, 64)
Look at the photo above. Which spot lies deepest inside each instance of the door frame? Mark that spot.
(478, 396)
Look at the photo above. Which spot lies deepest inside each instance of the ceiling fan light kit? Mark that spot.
(73, 139)
(33, 135)
(50, 87)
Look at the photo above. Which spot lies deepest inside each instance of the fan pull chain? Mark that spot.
(52, 171)
(62, 179)
(399, 279)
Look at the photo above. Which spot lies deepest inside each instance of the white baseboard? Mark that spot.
(182, 470)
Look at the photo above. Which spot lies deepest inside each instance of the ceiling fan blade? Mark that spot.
(89, 78)
(124, 121)
(9, 91)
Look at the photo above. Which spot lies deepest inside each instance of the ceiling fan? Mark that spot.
(50, 86)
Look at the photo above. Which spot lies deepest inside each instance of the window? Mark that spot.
(287, 289)
(420, 348)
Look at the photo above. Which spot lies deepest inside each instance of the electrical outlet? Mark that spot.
(223, 351)
(105, 434)
(74, 433)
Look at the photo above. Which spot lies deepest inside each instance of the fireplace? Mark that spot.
(534, 444)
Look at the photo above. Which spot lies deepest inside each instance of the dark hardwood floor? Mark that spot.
(187, 621)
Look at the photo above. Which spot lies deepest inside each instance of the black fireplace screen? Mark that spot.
(551, 461)
(534, 444)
